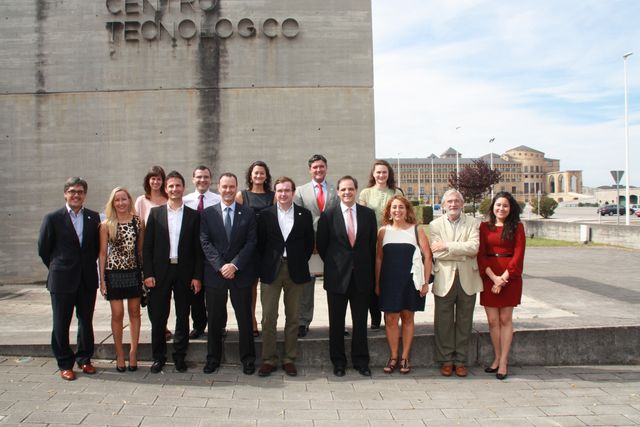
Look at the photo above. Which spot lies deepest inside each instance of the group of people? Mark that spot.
(203, 248)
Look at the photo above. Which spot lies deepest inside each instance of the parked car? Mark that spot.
(613, 210)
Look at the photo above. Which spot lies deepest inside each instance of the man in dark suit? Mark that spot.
(69, 245)
(228, 238)
(285, 244)
(346, 241)
(172, 261)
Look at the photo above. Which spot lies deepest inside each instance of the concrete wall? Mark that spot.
(76, 98)
(610, 234)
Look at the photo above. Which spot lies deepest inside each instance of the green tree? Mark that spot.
(475, 181)
(547, 206)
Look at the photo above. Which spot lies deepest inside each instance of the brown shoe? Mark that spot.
(461, 371)
(290, 369)
(88, 368)
(266, 369)
(67, 374)
(446, 370)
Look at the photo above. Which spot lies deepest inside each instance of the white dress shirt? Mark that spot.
(345, 211)
(285, 221)
(210, 199)
(174, 221)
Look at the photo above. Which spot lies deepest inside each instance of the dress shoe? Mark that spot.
(346, 333)
(364, 371)
(375, 326)
(266, 369)
(248, 368)
(67, 374)
(87, 368)
(490, 370)
(157, 366)
(461, 371)
(338, 371)
(501, 376)
(290, 369)
(195, 334)
(180, 365)
(121, 368)
(210, 367)
(446, 370)
(303, 331)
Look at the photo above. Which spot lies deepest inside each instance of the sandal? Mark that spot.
(391, 366)
(404, 366)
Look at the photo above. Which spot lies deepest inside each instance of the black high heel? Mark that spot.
(501, 376)
(490, 370)
(121, 369)
(132, 368)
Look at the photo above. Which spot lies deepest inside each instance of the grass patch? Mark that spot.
(539, 242)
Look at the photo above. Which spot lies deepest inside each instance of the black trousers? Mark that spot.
(198, 311)
(359, 303)
(374, 309)
(217, 302)
(63, 305)
(159, 308)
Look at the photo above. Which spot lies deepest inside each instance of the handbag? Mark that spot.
(431, 276)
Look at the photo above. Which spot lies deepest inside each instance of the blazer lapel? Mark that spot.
(218, 209)
(341, 227)
(237, 217)
(296, 221)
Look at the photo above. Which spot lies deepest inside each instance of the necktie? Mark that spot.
(201, 203)
(320, 198)
(351, 229)
(227, 223)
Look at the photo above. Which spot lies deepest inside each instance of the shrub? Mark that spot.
(547, 206)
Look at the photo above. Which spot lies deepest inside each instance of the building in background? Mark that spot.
(525, 172)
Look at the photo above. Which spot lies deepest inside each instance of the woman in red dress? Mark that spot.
(500, 260)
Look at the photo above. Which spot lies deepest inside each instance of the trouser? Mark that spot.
(306, 303)
(270, 300)
(241, 301)
(453, 319)
(62, 305)
(198, 311)
(359, 304)
(159, 308)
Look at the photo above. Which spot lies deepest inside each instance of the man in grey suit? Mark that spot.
(316, 196)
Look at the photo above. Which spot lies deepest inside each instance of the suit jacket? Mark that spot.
(460, 255)
(218, 251)
(156, 246)
(299, 244)
(340, 259)
(69, 264)
(306, 198)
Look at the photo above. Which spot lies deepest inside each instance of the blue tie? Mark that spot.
(227, 223)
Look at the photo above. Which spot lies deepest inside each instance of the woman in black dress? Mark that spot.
(257, 196)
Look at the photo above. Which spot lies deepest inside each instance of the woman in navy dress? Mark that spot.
(257, 196)
(500, 261)
(402, 277)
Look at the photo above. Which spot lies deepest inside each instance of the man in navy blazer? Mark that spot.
(172, 262)
(346, 241)
(285, 244)
(69, 245)
(228, 238)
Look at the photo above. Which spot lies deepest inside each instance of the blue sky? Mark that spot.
(546, 74)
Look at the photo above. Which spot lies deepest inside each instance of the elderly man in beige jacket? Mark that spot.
(454, 242)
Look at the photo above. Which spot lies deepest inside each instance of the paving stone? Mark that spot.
(387, 404)
(94, 408)
(112, 420)
(614, 409)
(452, 423)
(311, 414)
(566, 410)
(605, 420)
(342, 423)
(152, 421)
(369, 414)
(195, 402)
(504, 422)
(55, 418)
(359, 395)
(256, 414)
(560, 421)
(417, 414)
(336, 404)
(284, 404)
(31, 406)
(148, 410)
(232, 403)
(283, 423)
(140, 399)
(467, 413)
(189, 412)
(517, 412)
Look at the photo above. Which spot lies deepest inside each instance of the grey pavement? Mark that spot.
(32, 393)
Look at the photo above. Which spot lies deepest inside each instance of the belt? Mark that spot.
(173, 260)
(501, 255)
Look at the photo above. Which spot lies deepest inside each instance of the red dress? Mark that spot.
(491, 243)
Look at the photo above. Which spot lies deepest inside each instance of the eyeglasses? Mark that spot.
(75, 192)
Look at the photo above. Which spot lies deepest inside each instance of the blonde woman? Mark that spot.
(121, 235)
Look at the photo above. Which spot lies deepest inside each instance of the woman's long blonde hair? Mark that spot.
(112, 216)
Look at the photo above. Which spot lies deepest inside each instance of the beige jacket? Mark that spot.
(460, 255)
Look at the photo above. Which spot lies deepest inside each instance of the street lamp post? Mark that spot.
(433, 193)
(398, 170)
(491, 155)
(626, 142)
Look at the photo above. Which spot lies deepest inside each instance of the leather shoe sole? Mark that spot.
(180, 365)
(88, 368)
(195, 334)
(157, 366)
(266, 369)
(67, 374)
(338, 371)
(365, 371)
(446, 370)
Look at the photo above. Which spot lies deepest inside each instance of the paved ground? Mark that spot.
(31, 393)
